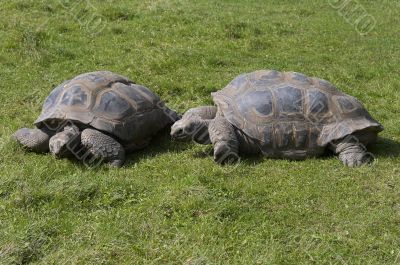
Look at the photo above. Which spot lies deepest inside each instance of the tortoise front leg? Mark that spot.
(351, 152)
(103, 146)
(224, 139)
(36, 140)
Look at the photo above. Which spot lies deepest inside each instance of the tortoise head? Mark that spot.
(63, 143)
(193, 128)
(182, 130)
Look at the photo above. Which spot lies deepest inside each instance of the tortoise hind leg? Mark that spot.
(351, 151)
(34, 139)
(104, 147)
(224, 140)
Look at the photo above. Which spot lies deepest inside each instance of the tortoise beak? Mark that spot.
(178, 135)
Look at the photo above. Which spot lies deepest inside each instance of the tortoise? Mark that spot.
(281, 115)
(97, 115)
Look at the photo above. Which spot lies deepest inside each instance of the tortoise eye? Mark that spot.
(191, 128)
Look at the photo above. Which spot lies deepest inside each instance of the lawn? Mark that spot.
(170, 203)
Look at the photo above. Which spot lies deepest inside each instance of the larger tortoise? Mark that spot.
(284, 115)
(97, 115)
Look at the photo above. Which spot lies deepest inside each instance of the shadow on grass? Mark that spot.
(385, 147)
(244, 159)
(161, 143)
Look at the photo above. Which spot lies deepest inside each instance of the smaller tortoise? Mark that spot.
(99, 115)
(281, 115)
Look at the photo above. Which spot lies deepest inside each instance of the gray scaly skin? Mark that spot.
(36, 140)
(205, 126)
(224, 140)
(71, 141)
(228, 141)
(194, 125)
(64, 143)
(351, 152)
(103, 146)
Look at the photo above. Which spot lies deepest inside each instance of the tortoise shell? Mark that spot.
(288, 111)
(108, 102)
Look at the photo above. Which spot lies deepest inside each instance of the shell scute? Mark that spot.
(300, 133)
(347, 104)
(113, 106)
(289, 99)
(51, 100)
(75, 96)
(141, 98)
(318, 102)
(299, 78)
(284, 136)
(259, 102)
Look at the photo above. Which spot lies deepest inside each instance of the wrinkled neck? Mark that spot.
(201, 134)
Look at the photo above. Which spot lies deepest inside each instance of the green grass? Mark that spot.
(171, 204)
